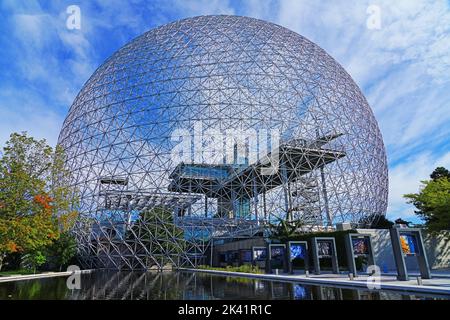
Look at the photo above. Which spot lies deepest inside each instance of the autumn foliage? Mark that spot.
(44, 201)
(35, 201)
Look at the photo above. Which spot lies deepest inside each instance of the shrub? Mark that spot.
(246, 268)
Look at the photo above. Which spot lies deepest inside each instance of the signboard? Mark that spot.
(297, 251)
(259, 254)
(277, 256)
(360, 246)
(276, 252)
(408, 244)
(325, 249)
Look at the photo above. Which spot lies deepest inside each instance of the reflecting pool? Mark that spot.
(187, 286)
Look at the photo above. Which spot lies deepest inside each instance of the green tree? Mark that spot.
(377, 222)
(62, 250)
(440, 172)
(285, 230)
(433, 203)
(35, 199)
(33, 260)
(401, 221)
(156, 228)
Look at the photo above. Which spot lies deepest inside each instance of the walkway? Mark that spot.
(39, 276)
(436, 285)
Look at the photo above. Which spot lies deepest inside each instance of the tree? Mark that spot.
(156, 227)
(62, 250)
(286, 229)
(35, 198)
(33, 260)
(401, 221)
(377, 222)
(433, 203)
(440, 172)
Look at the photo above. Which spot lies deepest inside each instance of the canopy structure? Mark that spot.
(233, 185)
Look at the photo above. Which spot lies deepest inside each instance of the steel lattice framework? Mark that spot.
(141, 208)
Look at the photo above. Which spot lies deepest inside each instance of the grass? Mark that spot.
(244, 268)
(15, 272)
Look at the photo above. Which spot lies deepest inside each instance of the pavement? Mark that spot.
(437, 285)
(40, 275)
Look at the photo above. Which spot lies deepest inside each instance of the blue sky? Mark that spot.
(402, 68)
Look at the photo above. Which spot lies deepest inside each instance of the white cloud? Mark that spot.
(405, 178)
(203, 7)
(49, 83)
(38, 37)
(403, 68)
(43, 85)
(27, 112)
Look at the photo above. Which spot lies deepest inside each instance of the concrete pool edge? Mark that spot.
(42, 275)
(336, 282)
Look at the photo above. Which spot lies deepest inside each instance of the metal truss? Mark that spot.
(141, 209)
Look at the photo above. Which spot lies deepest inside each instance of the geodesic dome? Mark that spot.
(145, 203)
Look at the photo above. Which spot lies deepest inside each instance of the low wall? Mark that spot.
(241, 244)
(438, 250)
(235, 246)
(436, 247)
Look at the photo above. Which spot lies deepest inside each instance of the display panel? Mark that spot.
(297, 251)
(324, 248)
(259, 254)
(409, 244)
(277, 254)
(246, 255)
(360, 246)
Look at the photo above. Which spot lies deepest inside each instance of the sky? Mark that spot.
(398, 52)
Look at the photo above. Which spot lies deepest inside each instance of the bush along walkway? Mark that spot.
(243, 269)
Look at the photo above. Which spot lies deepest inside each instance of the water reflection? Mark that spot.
(184, 285)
